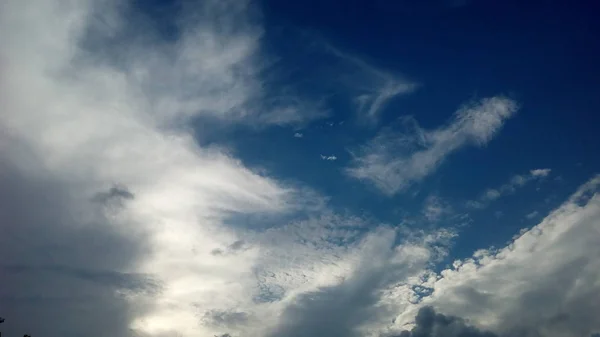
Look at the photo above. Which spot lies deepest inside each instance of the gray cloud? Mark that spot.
(333, 311)
(350, 306)
(116, 280)
(428, 323)
(45, 223)
(115, 193)
(224, 318)
(236, 246)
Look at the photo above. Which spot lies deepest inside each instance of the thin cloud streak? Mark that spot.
(328, 158)
(508, 188)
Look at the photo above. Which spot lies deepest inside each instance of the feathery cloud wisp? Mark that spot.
(328, 158)
(435, 208)
(510, 187)
(393, 161)
(371, 88)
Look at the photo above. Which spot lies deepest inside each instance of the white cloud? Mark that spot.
(532, 215)
(328, 158)
(139, 254)
(544, 283)
(540, 172)
(510, 187)
(393, 161)
(114, 211)
(435, 208)
(298, 135)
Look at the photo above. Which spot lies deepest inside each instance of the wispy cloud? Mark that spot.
(435, 208)
(372, 88)
(532, 215)
(298, 135)
(328, 158)
(510, 187)
(392, 161)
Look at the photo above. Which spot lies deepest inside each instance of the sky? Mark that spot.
(238, 168)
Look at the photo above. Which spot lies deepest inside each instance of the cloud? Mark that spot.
(544, 283)
(298, 135)
(115, 193)
(540, 172)
(393, 161)
(227, 318)
(236, 246)
(353, 306)
(428, 323)
(117, 280)
(435, 208)
(510, 187)
(373, 88)
(110, 208)
(328, 158)
(532, 215)
(117, 222)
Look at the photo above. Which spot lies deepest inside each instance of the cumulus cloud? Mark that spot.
(355, 305)
(392, 161)
(510, 187)
(544, 283)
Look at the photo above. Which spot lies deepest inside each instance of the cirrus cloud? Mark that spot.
(393, 161)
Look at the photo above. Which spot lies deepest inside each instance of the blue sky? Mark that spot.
(286, 168)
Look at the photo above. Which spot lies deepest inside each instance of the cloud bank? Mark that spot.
(544, 283)
(110, 208)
